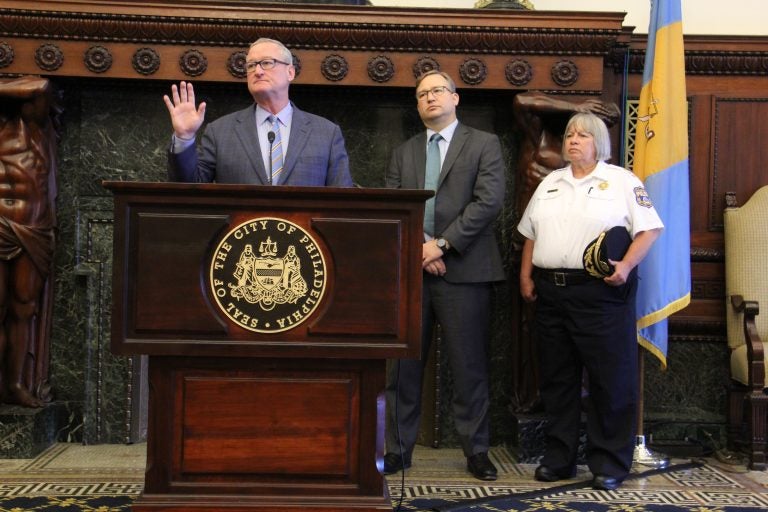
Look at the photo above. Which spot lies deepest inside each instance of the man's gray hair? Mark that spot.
(285, 56)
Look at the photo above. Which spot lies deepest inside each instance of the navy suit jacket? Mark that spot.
(230, 153)
(469, 197)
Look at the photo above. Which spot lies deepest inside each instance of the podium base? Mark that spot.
(200, 503)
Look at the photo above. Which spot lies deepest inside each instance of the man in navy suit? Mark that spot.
(307, 150)
(461, 260)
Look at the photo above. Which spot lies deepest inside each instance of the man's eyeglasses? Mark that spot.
(436, 92)
(266, 64)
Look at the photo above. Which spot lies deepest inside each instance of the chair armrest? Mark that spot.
(755, 362)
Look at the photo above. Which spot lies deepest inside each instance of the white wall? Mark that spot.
(732, 17)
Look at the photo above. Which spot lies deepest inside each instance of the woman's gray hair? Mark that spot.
(286, 53)
(593, 125)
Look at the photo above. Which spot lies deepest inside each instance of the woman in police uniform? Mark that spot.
(582, 321)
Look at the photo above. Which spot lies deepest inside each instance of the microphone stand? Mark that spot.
(271, 139)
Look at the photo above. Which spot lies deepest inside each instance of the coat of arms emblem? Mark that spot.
(267, 279)
(267, 275)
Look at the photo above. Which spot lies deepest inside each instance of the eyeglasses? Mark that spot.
(436, 92)
(266, 64)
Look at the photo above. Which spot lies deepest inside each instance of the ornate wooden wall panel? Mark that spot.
(727, 88)
(332, 45)
(739, 152)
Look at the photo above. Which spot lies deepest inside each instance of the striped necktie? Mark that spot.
(430, 181)
(277, 152)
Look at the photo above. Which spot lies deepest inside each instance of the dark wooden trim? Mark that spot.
(206, 40)
(712, 55)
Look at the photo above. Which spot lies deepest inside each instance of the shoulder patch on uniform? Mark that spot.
(641, 196)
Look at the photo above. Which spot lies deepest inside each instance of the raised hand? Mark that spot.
(185, 117)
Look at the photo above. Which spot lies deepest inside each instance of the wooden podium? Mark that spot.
(268, 314)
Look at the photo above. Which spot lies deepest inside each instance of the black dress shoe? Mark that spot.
(481, 467)
(546, 474)
(606, 483)
(394, 463)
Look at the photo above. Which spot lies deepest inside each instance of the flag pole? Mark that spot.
(660, 160)
(642, 454)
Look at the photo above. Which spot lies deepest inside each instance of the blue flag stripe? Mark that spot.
(663, 13)
(669, 282)
(661, 161)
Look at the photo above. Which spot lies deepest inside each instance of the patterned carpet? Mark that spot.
(71, 477)
(438, 481)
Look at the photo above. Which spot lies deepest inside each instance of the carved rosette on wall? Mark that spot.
(146, 61)
(49, 57)
(381, 69)
(236, 64)
(473, 71)
(565, 73)
(97, 59)
(423, 65)
(334, 67)
(6, 54)
(193, 63)
(518, 72)
(296, 63)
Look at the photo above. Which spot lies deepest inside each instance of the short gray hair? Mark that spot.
(287, 56)
(593, 125)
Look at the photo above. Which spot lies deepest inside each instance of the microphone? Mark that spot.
(271, 139)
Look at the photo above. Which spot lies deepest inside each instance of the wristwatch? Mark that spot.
(442, 244)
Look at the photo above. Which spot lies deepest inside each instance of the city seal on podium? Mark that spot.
(267, 275)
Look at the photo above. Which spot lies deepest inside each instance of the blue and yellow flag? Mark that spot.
(661, 161)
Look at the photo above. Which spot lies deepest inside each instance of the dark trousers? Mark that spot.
(589, 326)
(463, 311)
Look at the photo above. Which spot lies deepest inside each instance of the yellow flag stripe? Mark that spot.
(669, 113)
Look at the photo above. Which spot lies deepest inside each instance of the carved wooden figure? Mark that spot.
(27, 237)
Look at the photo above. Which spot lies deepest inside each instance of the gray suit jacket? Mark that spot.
(230, 153)
(469, 197)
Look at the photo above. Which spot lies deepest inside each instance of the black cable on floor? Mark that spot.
(540, 493)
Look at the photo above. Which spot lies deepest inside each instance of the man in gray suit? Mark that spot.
(461, 260)
(305, 149)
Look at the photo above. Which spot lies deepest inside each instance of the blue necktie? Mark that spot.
(430, 181)
(277, 152)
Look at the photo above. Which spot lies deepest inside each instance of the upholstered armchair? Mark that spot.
(746, 289)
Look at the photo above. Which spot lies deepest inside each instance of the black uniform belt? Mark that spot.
(564, 276)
